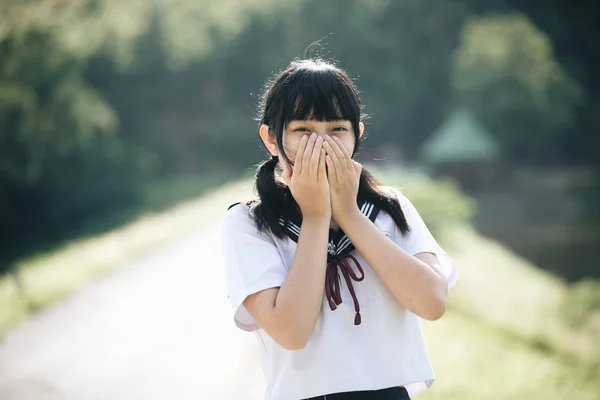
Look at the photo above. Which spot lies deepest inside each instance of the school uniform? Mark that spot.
(380, 347)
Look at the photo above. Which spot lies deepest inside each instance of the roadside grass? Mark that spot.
(503, 336)
(43, 279)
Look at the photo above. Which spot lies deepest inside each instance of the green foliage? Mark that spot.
(56, 132)
(581, 304)
(100, 98)
(505, 70)
(441, 204)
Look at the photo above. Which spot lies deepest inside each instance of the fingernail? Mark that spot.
(313, 135)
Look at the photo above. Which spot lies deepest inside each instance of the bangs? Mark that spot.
(320, 95)
(310, 90)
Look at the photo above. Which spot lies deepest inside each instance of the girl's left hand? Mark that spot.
(343, 174)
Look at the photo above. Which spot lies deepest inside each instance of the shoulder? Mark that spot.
(233, 205)
(384, 221)
(238, 208)
(397, 193)
(238, 212)
(239, 221)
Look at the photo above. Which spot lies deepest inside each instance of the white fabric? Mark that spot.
(386, 350)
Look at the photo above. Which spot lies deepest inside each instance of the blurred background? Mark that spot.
(128, 125)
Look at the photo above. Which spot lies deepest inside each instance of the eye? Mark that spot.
(339, 129)
(301, 129)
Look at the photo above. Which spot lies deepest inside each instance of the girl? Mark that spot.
(332, 270)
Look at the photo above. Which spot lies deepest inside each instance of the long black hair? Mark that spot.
(310, 90)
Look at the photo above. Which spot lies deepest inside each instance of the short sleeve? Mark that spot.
(420, 240)
(252, 263)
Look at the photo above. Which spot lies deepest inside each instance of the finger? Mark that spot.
(347, 157)
(322, 174)
(338, 152)
(299, 154)
(334, 155)
(331, 170)
(331, 175)
(308, 153)
(335, 168)
(314, 160)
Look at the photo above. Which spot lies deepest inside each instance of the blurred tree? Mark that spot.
(505, 70)
(98, 98)
(398, 53)
(70, 147)
(572, 28)
(50, 117)
(575, 34)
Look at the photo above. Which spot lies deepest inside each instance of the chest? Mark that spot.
(370, 292)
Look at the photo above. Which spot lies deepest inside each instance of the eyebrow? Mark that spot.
(338, 121)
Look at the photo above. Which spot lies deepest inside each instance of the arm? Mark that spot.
(289, 313)
(416, 282)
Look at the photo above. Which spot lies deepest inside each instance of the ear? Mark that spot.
(361, 129)
(268, 140)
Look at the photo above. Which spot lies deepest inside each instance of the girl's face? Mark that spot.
(298, 128)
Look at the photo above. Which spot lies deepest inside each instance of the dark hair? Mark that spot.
(310, 90)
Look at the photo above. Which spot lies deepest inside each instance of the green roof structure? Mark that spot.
(460, 138)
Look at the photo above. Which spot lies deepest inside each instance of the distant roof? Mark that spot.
(460, 138)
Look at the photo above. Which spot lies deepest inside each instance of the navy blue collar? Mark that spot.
(339, 243)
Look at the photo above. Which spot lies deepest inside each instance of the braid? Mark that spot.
(272, 198)
(266, 184)
(371, 190)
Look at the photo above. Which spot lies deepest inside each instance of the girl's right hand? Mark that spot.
(307, 179)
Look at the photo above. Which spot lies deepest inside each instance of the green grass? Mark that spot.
(474, 360)
(503, 336)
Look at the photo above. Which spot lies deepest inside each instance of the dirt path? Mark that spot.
(158, 329)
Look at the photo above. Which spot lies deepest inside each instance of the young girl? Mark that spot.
(332, 270)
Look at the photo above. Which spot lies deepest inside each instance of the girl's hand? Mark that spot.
(307, 179)
(344, 176)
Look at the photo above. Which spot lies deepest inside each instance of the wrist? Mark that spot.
(317, 220)
(350, 214)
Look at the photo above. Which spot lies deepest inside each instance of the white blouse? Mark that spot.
(387, 349)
